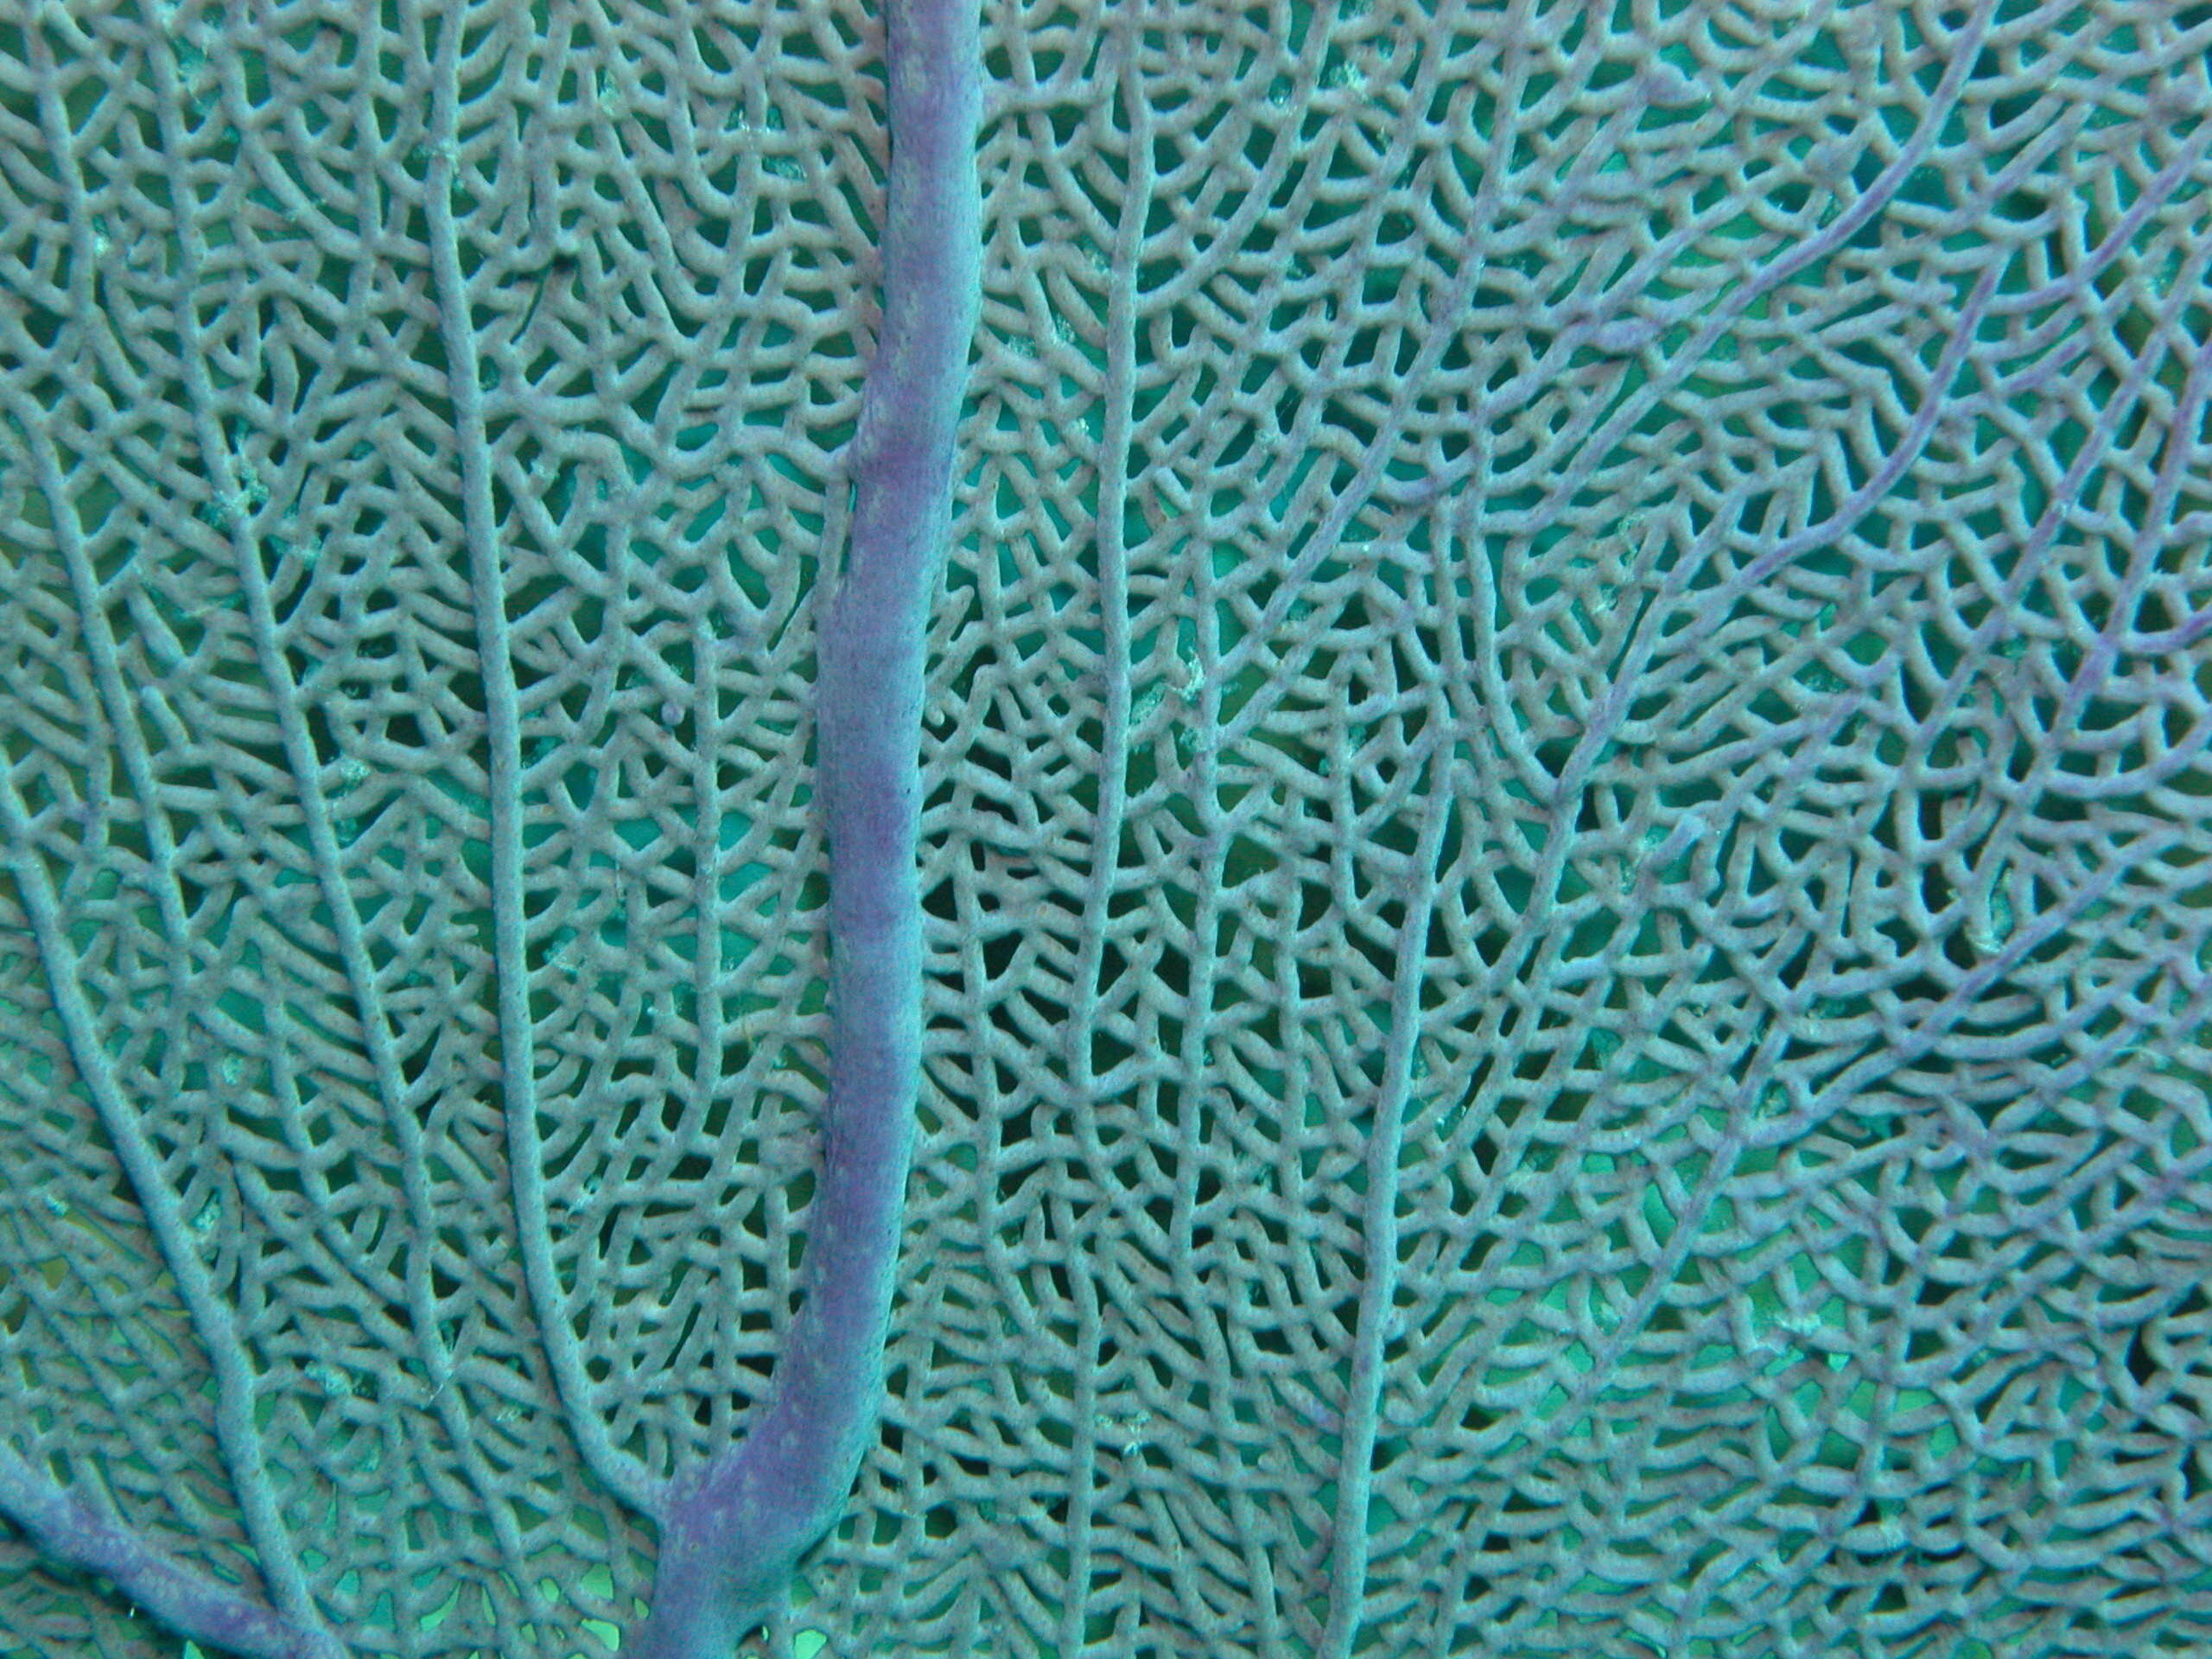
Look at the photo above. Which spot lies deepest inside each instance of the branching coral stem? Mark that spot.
(733, 1529)
(70, 1532)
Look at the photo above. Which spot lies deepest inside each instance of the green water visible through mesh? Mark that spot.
(1564, 864)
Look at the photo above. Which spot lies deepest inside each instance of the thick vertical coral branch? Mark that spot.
(732, 1530)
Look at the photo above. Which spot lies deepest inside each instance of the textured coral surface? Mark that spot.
(1565, 865)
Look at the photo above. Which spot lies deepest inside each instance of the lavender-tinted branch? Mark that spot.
(733, 1529)
(72, 1533)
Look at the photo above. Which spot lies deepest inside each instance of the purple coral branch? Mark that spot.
(72, 1533)
(733, 1529)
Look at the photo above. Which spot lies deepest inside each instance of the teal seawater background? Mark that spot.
(1563, 859)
